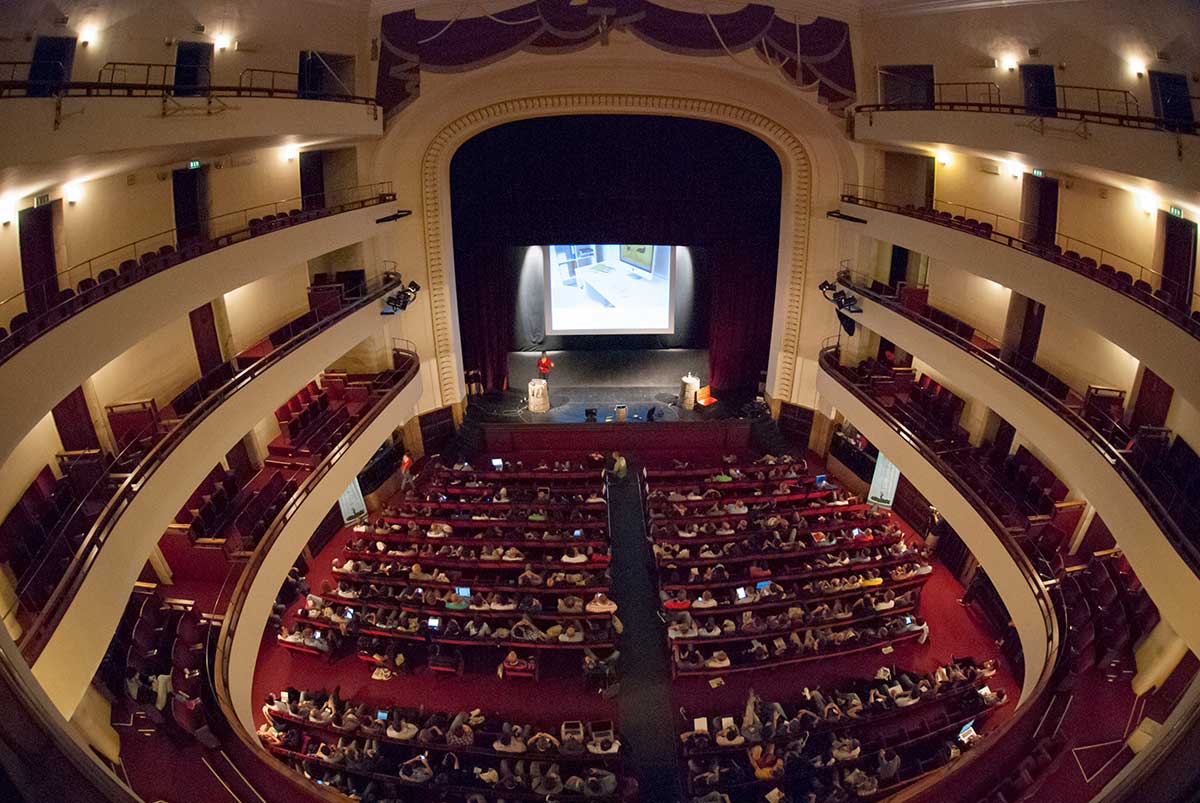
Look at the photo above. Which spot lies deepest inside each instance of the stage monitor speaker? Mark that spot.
(589, 415)
(847, 324)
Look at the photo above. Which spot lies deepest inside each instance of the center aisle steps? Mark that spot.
(644, 701)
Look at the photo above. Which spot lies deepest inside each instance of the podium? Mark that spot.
(689, 386)
(539, 396)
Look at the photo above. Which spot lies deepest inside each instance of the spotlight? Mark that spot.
(826, 286)
(413, 287)
(399, 300)
(399, 213)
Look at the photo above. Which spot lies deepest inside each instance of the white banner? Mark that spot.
(883, 484)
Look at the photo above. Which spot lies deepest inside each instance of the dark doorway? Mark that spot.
(193, 68)
(312, 180)
(189, 190)
(1031, 329)
(1179, 259)
(239, 460)
(1172, 100)
(39, 271)
(324, 74)
(908, 85)
(1041, 94)
(53, 57)
(1039, 209)
(898, 271)
(74, 422)
(204, 336)
(1153, 402)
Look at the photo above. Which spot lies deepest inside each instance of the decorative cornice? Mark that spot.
(439, 253)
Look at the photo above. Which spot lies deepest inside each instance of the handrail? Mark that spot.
(163, 251)
(112, 68)
(1126, 98)
(248, 80)
(274, 530)
(1083, 115)
(15, 88)
(1113, 456)
(1017, 241)
(991, 91)
(34, 640)
(828, 360)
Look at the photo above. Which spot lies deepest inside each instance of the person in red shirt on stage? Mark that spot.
(544, 364)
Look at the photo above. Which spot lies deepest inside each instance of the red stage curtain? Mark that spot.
(485, 312)
(743, 297)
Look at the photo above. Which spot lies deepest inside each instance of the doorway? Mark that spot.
(1039, 209)
(39, 268)
(53, 57)
(1041, 94)
(908, 85)
(1172, 100)
(193, 68)
(312, 180)
(1179, 259)
(324, 74)
(189, 191)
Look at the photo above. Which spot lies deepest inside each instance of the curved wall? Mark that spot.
(265, 584)
(627, 77)
(38, 376)
(89, 127)
(966, 521)
(1170, 581)
(72, 654)
(1062, 145)
(1134, 327)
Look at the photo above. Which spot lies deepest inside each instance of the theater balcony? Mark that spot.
(71, 632)
(140, 113)
(1155, 540)
(65, 333)
(1131, 305)
(1036, 615)
(1090, 129)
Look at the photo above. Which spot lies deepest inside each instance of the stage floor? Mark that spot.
(568, 405)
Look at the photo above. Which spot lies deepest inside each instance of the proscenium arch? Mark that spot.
(795, 203)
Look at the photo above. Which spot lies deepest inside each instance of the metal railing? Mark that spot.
(255, 81)
(47, 618)
(152, 79)
(1115, 101)
(1093, 261)
(985, 102)
(408, 370)
(40, 307)
(1116, 457)
(1053, 617)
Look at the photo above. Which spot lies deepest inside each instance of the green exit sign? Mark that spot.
(1037, 171)
(194, 164)
(1176, 211)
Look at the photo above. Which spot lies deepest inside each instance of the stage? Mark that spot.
(647, 369)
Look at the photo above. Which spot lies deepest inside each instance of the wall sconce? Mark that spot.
(1138, 67)
(73, 193)
(87, 36)
(1008, 62)
(8, 210)
(1015, 169)
(943, 156)
(1147, 202)
(289, 152)
(222, 41)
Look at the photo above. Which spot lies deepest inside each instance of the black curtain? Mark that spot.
(485, 310)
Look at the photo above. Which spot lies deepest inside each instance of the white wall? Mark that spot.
(974, 299)
(255, 310)
(1080, 356)
(157, 367)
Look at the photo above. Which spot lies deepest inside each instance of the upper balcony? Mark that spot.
(1150, 530)
(66, 331)
(139, 107)
(1086, 129)
(1133, 306)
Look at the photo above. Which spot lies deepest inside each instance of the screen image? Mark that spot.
(609, 289)
(883, 483)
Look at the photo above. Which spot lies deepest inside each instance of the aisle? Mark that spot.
(647, 719)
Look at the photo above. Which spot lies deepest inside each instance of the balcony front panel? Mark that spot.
(73, 652)
(972, 527)
(1133, 326)
(41, 373)
(39, 131)
(1059, 144)
(1164, 572)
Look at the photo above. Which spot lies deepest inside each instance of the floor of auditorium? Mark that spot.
(649, 706)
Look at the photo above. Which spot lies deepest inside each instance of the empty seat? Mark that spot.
(1123, 281)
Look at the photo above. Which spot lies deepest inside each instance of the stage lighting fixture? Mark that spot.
(847, 302)
(827, 286)
(399, 213)
(399, 301)
(847, 324)
(589, 415)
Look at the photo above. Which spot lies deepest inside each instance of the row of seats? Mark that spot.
(302, 411)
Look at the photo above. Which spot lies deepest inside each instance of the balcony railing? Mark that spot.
(979, 97)
(49, 612)
(1179, 305)
(152, 79)
(40, 307)
(1116, 457)
(1016, 731)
